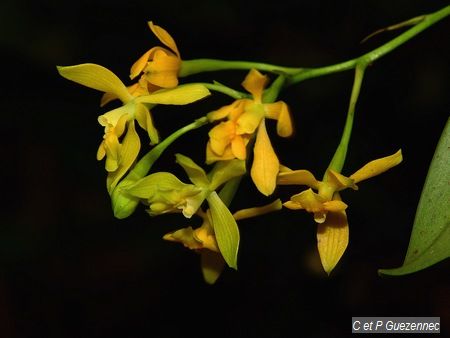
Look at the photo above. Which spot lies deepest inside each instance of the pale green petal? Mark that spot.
(224, 171)
(151, 184)
(212, 264)
(225, 228)
(377, 167)
(332, 238)
(96, 77)
(180, 95)
(128, 153)
(195, 173)
(265, 164)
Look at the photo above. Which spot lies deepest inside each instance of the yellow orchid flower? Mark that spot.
(243, 119)
(326, 204)
(159, 65)
(119, 122)
(203, 239)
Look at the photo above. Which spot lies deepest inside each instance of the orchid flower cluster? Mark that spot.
(238, 147)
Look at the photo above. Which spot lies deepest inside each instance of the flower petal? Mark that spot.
(145, 120)
(254, 83)
(184, 236)
(332, 238)
(163, 69)
(212, 157)
(225, 228)
(250, 119)
(338, 181)
(265, 163)
(280, 111)
(225, 171)
(212, 264)
(196, 174)
(221, 135)
(180, 95)
(141, 63)
(128, 153)
(164, 37)
(299, 177)
(96, 77)
(258, 211)
(377, 167)
(238, 147)
(148, 186)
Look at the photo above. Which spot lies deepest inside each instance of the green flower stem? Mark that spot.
(218, 87)
(271, 93)
(229, 190)
(145, 163)
(427, 21)
(338, 160)
(190, 67)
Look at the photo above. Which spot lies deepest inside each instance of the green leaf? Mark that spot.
(430, 238)
(225, 229)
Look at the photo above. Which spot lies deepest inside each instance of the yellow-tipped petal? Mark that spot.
(377, 167)
(254, 83)
(164, 37)
(265, 163)
(180, 95)
(299, 177)
(96, 77)
(258, 211)
(128, 153)
(332, 239)
(212, 264)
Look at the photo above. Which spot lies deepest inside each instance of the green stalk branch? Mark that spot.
(370, 57)
(338, 160)
(190, 67)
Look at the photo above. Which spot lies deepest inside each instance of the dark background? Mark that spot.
(68, 268)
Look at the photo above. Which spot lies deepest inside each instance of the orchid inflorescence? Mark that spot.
(238, 143)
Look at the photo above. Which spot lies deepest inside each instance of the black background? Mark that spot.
(68, 268)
